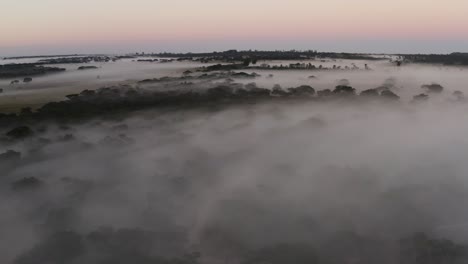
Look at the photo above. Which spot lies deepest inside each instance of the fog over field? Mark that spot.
(233, 132)
(314, 180)
(406, 81)
(54, 87)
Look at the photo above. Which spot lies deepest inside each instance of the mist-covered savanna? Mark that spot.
(174, 160)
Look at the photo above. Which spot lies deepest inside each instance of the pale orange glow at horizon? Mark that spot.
(47, 22)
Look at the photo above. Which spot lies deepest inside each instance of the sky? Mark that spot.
(29, 27)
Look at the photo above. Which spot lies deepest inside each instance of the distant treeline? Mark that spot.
(445, 59)
(16, 70)
(234, 55)
(122, 99)
(41, 56)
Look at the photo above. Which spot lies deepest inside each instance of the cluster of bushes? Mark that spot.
(115, 99)
(16, 70)
(77, 59)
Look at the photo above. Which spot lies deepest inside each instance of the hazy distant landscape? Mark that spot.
(234, 158)
(128, 70)
(233, 132)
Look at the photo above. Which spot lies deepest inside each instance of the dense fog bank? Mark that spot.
(324, 182)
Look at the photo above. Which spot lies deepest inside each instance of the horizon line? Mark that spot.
(144, 53)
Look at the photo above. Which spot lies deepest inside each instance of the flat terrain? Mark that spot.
(173, 162)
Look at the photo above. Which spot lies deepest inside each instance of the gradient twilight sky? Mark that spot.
(100, 26)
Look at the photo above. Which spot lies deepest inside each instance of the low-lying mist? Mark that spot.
(406, 81)
(347, 180)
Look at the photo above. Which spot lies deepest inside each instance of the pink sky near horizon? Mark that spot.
(96, 22)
